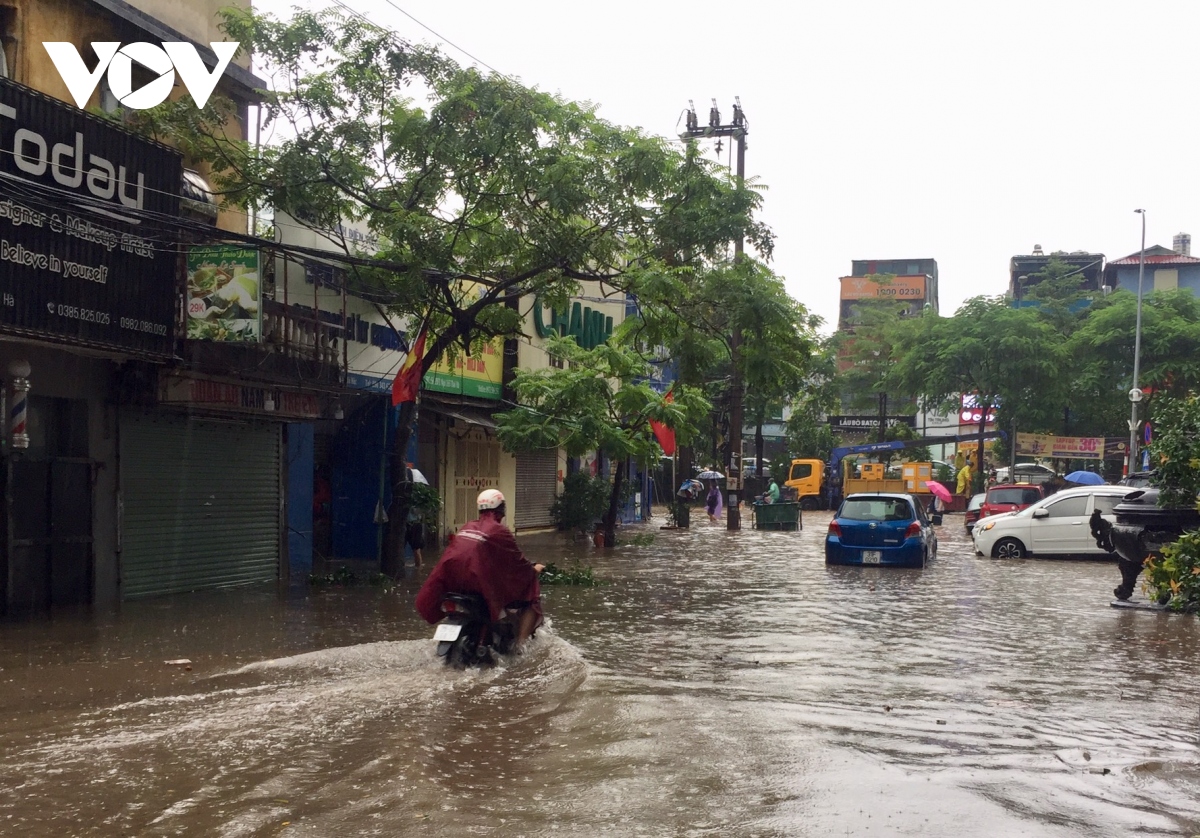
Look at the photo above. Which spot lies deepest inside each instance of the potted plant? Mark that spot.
(582, 503)
(428, 502)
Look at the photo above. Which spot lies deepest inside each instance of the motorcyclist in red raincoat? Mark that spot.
(483, 558)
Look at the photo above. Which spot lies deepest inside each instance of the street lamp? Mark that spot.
(1135, 395)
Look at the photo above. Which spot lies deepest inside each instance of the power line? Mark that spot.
(444, 39)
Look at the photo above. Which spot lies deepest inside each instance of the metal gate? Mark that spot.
(537, 482)
(200, 504)
(50, 555)
(476, 467)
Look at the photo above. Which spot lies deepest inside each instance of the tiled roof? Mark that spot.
(1169, 259)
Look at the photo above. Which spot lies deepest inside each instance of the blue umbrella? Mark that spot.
(1086, 478)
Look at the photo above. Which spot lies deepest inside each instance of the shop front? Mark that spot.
(86, 287)
(202, 485)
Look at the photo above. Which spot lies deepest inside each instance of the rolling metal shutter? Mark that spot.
(200, 504)
(537, 479)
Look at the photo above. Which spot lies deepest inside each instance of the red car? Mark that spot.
(1011, 497)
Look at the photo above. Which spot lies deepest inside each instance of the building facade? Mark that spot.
(108, 484)
(1023, 270)
(1164, 269)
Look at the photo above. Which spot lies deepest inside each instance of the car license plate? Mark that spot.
(871, 556)
(447, 632)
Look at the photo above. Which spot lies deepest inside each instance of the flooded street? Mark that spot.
(721, 684)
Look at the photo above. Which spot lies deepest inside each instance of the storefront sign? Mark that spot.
(883, 288)
(83, 271)
(479, 375)
(589, 328)
(223, 293)
(210, 394)
(970, 412)
(1070, 447)
(869, 423)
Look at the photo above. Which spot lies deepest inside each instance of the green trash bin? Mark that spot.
(784, 515)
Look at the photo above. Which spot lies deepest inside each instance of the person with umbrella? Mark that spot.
(712, 502)
(941, 496)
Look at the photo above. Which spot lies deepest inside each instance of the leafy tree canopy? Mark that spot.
(463, 175)
(598, 400)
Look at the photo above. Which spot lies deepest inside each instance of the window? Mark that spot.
(1014, 496)
(884, 509)
(1106, 503)
(1166, 279)
(1069, 507)
(801, 471)
(8, 42)
(109, 103)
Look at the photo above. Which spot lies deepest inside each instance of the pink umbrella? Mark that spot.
(939, 491)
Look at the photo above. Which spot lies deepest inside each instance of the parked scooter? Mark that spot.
(466, 636)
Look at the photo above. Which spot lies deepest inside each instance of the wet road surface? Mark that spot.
(721, 684)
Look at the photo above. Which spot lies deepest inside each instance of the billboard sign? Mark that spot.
(223, 293)
(883, 287)
(1069, 447)
(81, 263)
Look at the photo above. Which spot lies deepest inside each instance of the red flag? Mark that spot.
(408, 379)
(665, 435)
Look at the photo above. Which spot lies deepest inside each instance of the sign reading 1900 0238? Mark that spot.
(81, 258)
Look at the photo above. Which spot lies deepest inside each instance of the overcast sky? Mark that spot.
(965, 132)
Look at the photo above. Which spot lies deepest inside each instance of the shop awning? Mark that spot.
(470, 415)
(198, 196)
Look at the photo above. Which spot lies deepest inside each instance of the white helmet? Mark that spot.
(490, 499)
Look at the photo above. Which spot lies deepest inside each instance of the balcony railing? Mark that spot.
(298, 334)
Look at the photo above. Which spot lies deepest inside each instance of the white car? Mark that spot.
(1025, 473)
(1054, 526)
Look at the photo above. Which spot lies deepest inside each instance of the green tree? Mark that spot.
(1061, 300)
(809, 435)
(1102, 353)
(1004, 355)
(463, 176)
(692, 315)
(597, 401)
(866, 349)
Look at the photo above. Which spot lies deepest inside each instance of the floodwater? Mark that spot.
(720, 684)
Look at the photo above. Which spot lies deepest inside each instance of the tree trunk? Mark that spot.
(978, 479)
(758, 447)
(392, 563)
(614, 502)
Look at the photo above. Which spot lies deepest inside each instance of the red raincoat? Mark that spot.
(483, 558)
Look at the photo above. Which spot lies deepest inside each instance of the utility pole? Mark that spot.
(737, 130)
(1135, 394)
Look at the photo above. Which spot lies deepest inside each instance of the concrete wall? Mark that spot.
(82, 22)
(1188, 277)
(197, 19)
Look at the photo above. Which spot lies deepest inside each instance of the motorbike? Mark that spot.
(467, 636)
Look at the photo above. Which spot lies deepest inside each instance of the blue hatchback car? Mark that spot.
(880, 529)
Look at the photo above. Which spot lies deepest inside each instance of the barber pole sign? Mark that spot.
(17, 416)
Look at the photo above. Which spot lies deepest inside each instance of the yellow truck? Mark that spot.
(808, 479)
